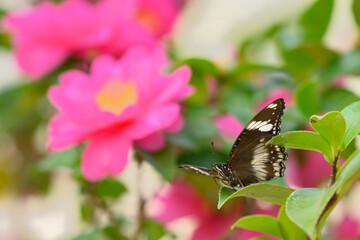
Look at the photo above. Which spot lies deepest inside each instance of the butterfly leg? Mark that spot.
(242, 185)
(216, 185)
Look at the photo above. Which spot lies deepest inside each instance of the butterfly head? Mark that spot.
(222, 170)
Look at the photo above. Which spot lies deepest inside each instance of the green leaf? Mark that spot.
(303, 140)
(109, 187)
(92, 235)
(309, 207)
(332, 127)
(154, 230)
(352, 117)
(305, 206)
(336, 99)
(356, 11)
(69, 158)
(261, 238)
(164, 161)
(201, 70)
(263, 191)
(110, 232)
(288, 229)
(316, 19)
(345, 64)
(307, 99)
(260, 223)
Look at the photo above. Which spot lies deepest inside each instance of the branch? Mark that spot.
(334, 170)
(101, 204)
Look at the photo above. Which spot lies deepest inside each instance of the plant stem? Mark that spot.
(334, 170)
(101, 204)
(141, 206)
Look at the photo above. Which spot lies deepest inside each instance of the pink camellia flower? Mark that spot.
(157, 16)
(284, 93)
(228, 125)
(43, 37)
(180, 200)
(118, 103)
(348, 229)
(307, 170)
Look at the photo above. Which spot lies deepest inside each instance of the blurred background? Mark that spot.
(243, 54)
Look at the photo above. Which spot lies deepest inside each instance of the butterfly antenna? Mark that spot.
(213, 149)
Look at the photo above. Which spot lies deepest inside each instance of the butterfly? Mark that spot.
(250, 160)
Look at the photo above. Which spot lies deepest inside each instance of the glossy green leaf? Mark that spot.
(352, 117)
(307, 99)
(303, 140)
(309, 207)
(260, 238)
(263, 191)
(288, 229)
(316, 19)
(260, 223)
(305, 206)
(332, 127)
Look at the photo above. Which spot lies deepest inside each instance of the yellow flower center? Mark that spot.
(115, 96)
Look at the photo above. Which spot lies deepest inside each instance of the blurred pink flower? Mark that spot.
(228, 125)
(157, 16)
(278, 93)
(307, 169)
(348, 229)
(117, 103)
(47, 34)
(180, 200)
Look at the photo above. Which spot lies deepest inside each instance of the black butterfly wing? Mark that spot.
(250, 159)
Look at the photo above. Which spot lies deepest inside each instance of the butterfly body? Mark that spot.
(250, 160)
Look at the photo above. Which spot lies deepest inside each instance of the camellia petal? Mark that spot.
(152, 142)
(107, 153)
(156, 119)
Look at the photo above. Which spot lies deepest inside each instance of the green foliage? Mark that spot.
(352, 116)
(304, 140)
(309, 207)
(163, 161)
(335, 99)
(307, 98)
(344, 64)
(69, 159)
(263, 191)
(331, 127)
(288, 229)
(154, 230)
(316, 19)
(109, 188)
(261, 223)
(356, 11)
